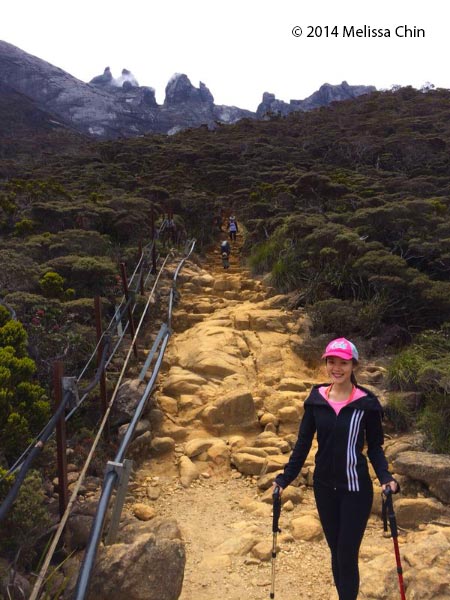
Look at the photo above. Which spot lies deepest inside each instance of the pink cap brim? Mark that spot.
(339, 353)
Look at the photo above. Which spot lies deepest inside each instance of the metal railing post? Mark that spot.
(124, 472)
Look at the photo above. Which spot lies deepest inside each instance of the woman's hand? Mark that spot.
(277, 485)
(393, 485)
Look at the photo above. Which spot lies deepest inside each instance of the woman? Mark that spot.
(345, 416)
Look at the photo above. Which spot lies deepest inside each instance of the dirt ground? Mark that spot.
(210, 518)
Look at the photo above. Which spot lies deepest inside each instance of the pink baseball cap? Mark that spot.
(342, 348)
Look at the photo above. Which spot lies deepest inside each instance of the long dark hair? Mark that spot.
(353, 377)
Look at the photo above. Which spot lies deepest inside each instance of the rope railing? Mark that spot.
(112, 474)
(65, 516)
(40, 440)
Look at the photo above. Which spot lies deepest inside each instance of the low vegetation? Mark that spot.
(346, 208)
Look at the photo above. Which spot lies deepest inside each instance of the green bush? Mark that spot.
(399, 412)
(24, 408)
(52, 286)
(89, 275)
(335, 317)
(264, 256)
(24, 227)
(434, 422)
(27, 520)
(404, 369)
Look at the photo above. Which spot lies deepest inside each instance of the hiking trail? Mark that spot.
(230, 399)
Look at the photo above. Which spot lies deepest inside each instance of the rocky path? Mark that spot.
(226, 529)
(228, 407)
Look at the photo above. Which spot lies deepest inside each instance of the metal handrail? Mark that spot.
(111, 476)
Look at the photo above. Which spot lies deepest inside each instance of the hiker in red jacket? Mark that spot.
(345, 416)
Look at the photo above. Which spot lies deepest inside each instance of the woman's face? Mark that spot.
(338, 369)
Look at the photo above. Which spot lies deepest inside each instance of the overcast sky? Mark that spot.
(238, 48)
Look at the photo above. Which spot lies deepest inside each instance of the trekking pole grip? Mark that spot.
(276, 497)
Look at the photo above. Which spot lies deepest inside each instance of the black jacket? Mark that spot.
(340, 462)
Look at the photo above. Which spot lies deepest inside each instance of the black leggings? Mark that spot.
(344, 517)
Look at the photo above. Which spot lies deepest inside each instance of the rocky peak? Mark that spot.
(126, 80)
(326, 94)
(180, 90)
(104, 79)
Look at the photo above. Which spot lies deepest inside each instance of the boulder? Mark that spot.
(143, 512)
(197, 446)
(289, 414)
(275, 462)
(141, 446)
(161, 527)
(306, 528)
(291, 384)
(182, 381)
(150, 568)
(143, 426)
(262, 550)
(234, 410)
(153, 491)
(248, 464)
(13, 585)
(431, 469)
(267, 418)
(412, 512)
(238, 545)
(290, 494)
(255, 507)
(162, 445)
(126, 401)
(78, 530)
(168, 405)
(219, 455)
(426, 562)
(188, 471)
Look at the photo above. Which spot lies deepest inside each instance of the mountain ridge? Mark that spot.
(108, 108)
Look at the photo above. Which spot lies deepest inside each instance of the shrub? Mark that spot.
(18, 272)
(434, 422)
(335, 316)
(27, 520)
(24, 227)
(264, 256)
(24, 408)
(398, 411)
(404, 368)
(52, 286)
(89, 275)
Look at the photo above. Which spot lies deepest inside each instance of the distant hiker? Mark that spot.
(225, 251)
(345, 416)
(232, 228)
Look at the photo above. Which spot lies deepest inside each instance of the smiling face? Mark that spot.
(339, 370)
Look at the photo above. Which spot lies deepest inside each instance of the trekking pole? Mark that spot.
(276, 497)
(388, 513)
